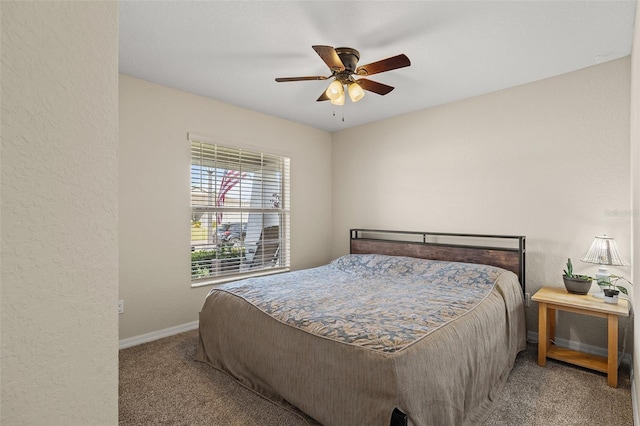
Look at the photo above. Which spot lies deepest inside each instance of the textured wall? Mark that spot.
(59, 213)
(635, 188)
(549, 160)
(154, 206)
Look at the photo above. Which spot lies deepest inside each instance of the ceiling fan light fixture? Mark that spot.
(355, 92)
(340, 99)
(335, 91)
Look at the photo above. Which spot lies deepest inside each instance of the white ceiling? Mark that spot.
(233, 50)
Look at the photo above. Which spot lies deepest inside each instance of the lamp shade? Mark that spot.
(340, 99)
(335, 91)
(603, 251)
(355, 92)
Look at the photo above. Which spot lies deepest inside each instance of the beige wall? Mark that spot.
(549, 160)
(635, 194)
(154, 195)
(59, 209)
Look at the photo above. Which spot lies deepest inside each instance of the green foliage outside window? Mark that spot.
(226, 256)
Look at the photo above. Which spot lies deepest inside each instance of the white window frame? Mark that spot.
(268, 204)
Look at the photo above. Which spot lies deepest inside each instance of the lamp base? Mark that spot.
(601, 276)
(598, 294)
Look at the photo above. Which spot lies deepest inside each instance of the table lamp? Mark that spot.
(603, 252)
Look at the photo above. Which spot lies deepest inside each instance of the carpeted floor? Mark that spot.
(160, 383)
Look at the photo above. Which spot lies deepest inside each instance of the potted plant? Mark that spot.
(576, 284)
(611, 295)
(612, 291)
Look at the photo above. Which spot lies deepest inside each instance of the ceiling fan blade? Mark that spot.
(374, 86)
(330, 57)
(395, 62)
(315, 77)
(323, 97)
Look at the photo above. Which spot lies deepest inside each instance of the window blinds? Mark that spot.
(239, 211)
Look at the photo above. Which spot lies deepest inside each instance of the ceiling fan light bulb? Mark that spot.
(335, 90)
(355, 92)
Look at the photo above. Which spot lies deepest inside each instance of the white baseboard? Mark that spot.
(532, 337)
(155, 335)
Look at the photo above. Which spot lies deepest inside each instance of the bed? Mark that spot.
(408, 329)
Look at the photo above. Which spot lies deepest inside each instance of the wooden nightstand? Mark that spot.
(552, 299)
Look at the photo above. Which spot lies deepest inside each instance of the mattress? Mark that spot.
(350, 341)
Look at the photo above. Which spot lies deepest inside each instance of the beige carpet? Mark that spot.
(161, 384)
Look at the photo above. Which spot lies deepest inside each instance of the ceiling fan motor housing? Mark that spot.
(349, 58)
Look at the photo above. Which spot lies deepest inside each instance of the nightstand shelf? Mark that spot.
(593, 362)
(551, 300)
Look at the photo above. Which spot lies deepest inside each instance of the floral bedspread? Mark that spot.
(382, 303)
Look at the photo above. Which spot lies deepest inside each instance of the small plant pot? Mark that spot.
(576, 285)
(611, 295)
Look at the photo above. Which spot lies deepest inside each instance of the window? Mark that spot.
(239, 213)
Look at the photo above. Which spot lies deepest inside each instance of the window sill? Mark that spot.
(236, 277)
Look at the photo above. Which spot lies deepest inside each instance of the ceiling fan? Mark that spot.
(342, 62)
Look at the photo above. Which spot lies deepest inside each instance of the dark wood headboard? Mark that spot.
(504, 251)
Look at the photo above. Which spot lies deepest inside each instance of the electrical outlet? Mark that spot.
(121, 306)
(527, 299)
